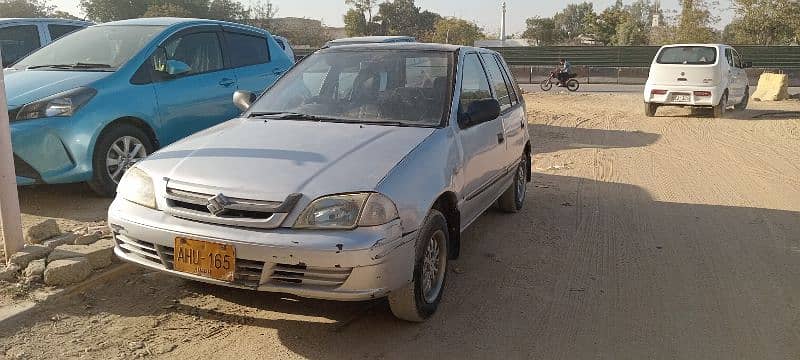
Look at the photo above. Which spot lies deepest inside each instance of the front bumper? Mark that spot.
(49, 150)
(673, 93)
(350, 265)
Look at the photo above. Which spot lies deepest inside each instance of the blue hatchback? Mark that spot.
(92, 104)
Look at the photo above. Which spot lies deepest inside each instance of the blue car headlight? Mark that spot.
(62, 104)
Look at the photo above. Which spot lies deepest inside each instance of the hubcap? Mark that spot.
(124, 153)
(521, 179)
(433, 263)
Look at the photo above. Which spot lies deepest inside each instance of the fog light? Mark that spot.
(702, 93)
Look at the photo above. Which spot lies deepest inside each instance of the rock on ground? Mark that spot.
(99, 253)
(35, 268)
(88, 239)
(9, 273)
(68, 238)
(28, 254)
(67, 271)
(42, 231)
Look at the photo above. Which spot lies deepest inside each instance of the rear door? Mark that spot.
(200, 98)
(741, 76)
(16, 41)
(511, 111)
(693, 65)
(482, 146)
(250, 56)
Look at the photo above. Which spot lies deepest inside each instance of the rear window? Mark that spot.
(688, 55)
(247, 50)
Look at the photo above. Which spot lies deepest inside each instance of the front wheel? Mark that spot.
(117, 149)
(546, 85)
(573, 85)
(420, 298)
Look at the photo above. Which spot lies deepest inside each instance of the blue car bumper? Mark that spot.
(49, 151)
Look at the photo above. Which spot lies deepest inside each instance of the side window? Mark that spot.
(57, 31)
(737, 60)
(509, 82)
(201, 51)
(498, 82)
(245, 50)
(18, 41)
(729, 56)
(474, 84)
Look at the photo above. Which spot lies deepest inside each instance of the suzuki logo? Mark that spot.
(216, 205)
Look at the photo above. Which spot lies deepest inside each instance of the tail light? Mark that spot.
(702, 93)
(658, 92)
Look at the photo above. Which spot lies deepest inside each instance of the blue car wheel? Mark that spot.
(118, 148)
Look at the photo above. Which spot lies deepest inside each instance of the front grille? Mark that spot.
(228, 213)
(247, 273)
(309, 275)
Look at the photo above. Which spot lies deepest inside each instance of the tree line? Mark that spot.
(644, 22)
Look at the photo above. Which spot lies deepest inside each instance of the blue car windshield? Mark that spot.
(401, 87)
(97, 47)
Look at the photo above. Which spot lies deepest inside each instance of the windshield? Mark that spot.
(688, 55)
(102, 47)
(372, 86)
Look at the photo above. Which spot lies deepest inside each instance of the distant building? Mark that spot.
(587, 39)
(498, 43)
(336, 32)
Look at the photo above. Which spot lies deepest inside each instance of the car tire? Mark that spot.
(417, 301)
(650, 109)
(130, 140)
(745, 100)
(719, 109)
(513, 199)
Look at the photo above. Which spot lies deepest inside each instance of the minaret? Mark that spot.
(503, 24)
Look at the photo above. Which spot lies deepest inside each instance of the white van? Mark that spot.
(20, 37)
(697, 75)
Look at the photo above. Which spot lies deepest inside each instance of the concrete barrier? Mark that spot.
(772, 87)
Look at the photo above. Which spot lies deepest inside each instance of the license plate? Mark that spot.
(682, 98)
(204, 258)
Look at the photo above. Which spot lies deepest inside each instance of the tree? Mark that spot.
(695, 22)
(542, 31)
(631, 32)
(24, 8)
(456, 31)
(110, 10)
(764, 22)
(402, 17)
(355, 24)
(359, 19)
(261, 12)
(605, 27)
(227, 10)
(166, 10)
(58, 14)
(572, 20)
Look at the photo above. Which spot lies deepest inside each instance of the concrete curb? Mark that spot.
(14, 313)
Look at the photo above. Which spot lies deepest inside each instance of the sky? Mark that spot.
(486, 13)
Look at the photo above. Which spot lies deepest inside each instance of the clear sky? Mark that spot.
(486, 13)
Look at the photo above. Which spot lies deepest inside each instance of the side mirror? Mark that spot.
(175, 67)
(481, 111)
(243, 99)
(747, 64)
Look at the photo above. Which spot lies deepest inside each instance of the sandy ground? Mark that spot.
(668, 238)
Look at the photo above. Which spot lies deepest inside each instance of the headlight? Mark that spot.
(61, 104)
(137, 187)
(347, 211)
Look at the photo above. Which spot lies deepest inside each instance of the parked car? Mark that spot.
(90, 105)
(370, 40)
(697, 75)
(20, 37)
(351, 178)
(285, 45)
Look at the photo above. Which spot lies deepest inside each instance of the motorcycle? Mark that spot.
(571, 84)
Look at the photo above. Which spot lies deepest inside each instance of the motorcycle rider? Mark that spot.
(564, 69)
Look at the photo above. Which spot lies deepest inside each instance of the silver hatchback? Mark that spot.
(351, 178)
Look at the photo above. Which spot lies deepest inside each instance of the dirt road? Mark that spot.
(666, 238)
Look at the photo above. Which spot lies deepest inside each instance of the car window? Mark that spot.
(424, 72)
(18, 41)
(737, 59)
(729, 56)
(201, 51)
(688, 55)
(474, 83)
(244, 50)
(58, 30)
(497, 80)
(509, 83)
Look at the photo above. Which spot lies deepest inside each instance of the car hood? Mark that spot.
(25, 86)
(268, 160)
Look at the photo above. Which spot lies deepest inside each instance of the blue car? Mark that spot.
(90, 105)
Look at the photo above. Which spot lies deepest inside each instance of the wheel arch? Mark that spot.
(447, 204)
(133, 121)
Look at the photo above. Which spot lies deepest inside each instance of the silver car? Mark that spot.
(351, 178)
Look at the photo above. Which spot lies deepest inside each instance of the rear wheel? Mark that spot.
(745, 100)
(420, 298)
(546, 85)
(117, 149)
(514, 198)
(573, 85)
(719, 109)
(650, 109)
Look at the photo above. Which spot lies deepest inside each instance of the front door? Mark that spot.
(483, 145)
(200, 98)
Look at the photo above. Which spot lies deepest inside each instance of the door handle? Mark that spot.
(226, 82)
(500, 138)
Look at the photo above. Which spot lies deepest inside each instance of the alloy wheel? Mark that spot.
(123, 153)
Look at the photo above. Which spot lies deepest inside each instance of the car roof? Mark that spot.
(172, 21)
(404, 46)
(371, 39)
(696, 44)
(44, 20)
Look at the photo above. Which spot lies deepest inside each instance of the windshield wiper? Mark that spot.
(78, 65)
(283, 115)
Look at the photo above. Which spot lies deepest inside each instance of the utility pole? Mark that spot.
(503, 24)
(10, 217)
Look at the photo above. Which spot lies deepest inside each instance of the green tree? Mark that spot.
(110, 10)
(764, 22)
(227, 10)
(261, 13)
(451, 30)
(355, 24)
(604, 28)
(541, 31)
(631, 31)
(695, 22)
(166, 10)
(59, 14)
(572, 20)
(24, 8)
(403, 17)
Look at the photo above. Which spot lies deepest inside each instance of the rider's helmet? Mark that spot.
(562, 60)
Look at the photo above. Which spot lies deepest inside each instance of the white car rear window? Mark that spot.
(688, 55)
